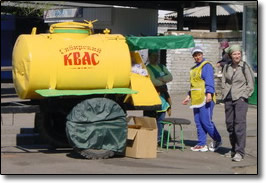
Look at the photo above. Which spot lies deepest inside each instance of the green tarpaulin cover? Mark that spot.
(253, 99)
(97, 123)
(160, 42)
(56, 93)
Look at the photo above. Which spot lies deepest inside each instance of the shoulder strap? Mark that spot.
(204, 63)
(243, 70)
(199, 66)
(226, 67)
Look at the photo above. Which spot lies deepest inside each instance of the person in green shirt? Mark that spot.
(160, 76)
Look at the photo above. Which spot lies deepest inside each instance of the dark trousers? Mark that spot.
(159, 117)
(235, 115)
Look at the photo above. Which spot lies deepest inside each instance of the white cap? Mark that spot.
(196, 49)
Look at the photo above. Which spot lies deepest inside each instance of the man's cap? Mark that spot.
(196, 49)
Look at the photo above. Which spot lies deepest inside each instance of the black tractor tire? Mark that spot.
(51, 127)
(94, 153)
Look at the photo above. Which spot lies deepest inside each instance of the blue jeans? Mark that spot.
(204, 123)
(160, 117)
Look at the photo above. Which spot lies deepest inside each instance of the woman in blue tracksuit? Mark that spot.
(202, 96)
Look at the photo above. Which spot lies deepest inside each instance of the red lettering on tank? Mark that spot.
(67, 60)
(86, 59)
(77, 60)
(93, 59)
(81, 59)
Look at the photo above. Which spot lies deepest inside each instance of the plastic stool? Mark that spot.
(168, 134)
(172, 122)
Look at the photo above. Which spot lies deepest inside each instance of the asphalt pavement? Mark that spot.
(34, 158)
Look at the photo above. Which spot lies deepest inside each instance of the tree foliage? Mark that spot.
(24, 9)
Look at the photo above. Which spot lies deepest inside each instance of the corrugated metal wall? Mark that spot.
(124, 21)
(103, 15)
(135, 21)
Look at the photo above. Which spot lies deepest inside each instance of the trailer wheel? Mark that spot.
(96, 128)
(51, 127)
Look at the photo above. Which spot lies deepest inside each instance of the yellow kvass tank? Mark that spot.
(70, 57)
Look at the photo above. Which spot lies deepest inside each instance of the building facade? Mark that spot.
(125, 21)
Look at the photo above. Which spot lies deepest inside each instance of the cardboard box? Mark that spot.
(142, 138)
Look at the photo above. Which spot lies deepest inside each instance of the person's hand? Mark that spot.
(208, 97)
(161, 79)
(169, 112)
(218, 64)
(186, 101)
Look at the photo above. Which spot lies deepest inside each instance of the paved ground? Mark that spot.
(37, 159)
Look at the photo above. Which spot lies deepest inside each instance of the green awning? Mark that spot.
(160, 42)
(57, 93)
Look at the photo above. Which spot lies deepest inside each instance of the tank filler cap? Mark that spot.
(73, 27)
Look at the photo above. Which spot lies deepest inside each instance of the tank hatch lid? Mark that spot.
(160, 42)
(57, 93)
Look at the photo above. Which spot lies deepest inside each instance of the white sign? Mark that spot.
(57, 21)
(63, 13)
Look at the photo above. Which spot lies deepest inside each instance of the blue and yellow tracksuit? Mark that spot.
(202, 82)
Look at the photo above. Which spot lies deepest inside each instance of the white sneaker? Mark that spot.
(229, 154)
(237, 157)
(199, 148)
(214, 146)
